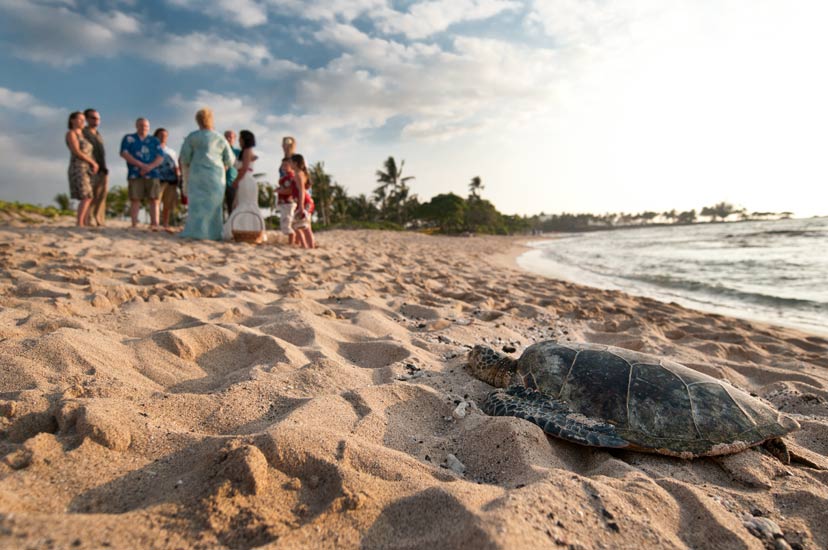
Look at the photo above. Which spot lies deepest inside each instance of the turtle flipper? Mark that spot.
(553, 417)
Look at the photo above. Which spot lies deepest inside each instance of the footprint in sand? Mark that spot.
(373, 355)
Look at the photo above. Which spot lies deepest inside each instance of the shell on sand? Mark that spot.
(163, 393)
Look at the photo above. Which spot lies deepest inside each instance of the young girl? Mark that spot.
(304, 205)
(284, 192)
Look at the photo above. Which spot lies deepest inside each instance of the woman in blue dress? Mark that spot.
(205, 157)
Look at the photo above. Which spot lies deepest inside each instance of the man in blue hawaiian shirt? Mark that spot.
(143, 155)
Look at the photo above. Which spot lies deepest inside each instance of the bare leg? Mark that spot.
(97, 209)
(154, 212)
(307, 238)
(83, 211)
(135, 206)
(300, 238)
(100, 212)
(165, 211)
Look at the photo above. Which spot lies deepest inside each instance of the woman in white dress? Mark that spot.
(246, 220)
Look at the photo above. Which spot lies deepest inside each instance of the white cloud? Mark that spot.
(329, 10)
(31, 176)
(117, 22)
(440, 92)
(26, 103)
(35, 167)
(198, 49)
(59, 36)
(424, 19)
(247, 13)
(230, 112)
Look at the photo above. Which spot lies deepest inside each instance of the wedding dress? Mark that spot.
(246, 220)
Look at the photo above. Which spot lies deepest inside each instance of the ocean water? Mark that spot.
(772, 271)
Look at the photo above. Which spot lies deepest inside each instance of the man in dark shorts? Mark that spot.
(100, 181)
(143, 155)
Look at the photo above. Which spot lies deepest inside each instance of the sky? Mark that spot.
(557, 105)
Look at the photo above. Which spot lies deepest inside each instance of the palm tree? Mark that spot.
(339, 203)
(392, 193)
(117, 202)
(475, 187)
(322, 192)
(719, 210)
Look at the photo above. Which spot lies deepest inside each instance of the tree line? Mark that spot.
(393, 205)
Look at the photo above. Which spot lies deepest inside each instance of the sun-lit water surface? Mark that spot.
(772, 271)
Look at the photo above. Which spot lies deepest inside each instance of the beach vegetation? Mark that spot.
(267, 196)
(117, 202)
(63, 201)
(23, 210)
(393, 195)
(446, 212)
(475, 187)
(719, 211)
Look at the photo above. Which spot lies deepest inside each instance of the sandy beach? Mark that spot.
(160, 393)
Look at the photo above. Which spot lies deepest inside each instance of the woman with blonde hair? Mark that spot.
(81, 165)
(205, 157)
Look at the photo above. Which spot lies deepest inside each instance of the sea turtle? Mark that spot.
(605, 396)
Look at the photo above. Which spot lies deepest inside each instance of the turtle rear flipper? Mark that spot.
(554, 417)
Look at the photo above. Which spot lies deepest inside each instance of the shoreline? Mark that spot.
(162, 393)
(538, 265)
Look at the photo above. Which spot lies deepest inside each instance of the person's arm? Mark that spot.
(246, 160)
(227, 155)
(127, 156)
(159, 158)
(74, 146)
(300, 205)
(177, 166)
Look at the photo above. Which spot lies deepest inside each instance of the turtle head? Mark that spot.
(491, 367)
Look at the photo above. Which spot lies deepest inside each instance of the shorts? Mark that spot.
(286, 210)
(303, 223)
(144, 188)
(169, 195)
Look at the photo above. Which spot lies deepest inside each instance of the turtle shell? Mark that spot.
(655, 404)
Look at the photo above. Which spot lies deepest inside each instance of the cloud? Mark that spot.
(328, 10)
(57, 35)
(35, 165)
(26, 103)
(196, 49)
(199, 49)
(439, 91)
(247, 13)
(424, 19)
(230, 112)
(29, 176)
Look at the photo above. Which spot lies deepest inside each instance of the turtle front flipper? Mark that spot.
(554, 417)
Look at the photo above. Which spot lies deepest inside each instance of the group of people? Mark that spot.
(211, 173)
